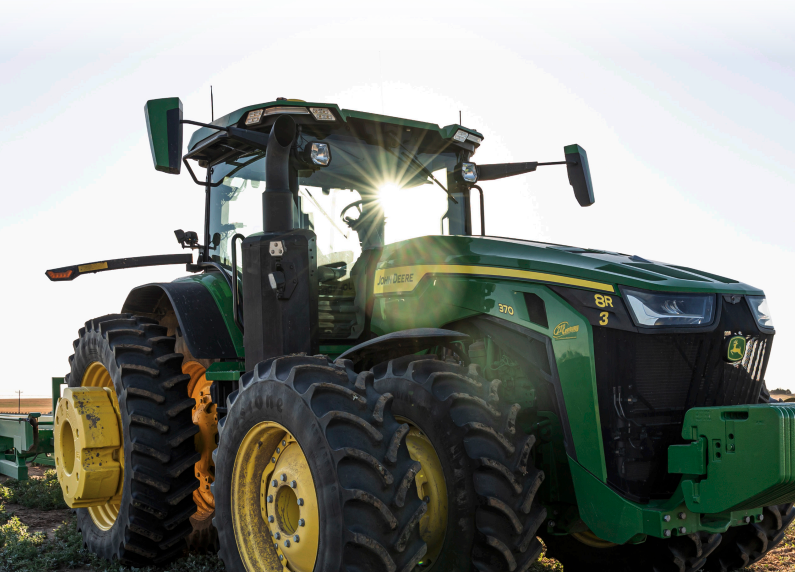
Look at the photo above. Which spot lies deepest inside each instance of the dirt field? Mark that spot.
(36, 405)
(63, 550)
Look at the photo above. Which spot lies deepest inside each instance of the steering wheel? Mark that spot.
(349, 221)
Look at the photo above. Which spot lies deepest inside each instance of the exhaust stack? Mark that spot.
(277, 198)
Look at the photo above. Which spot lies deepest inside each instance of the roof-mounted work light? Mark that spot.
(322, 114)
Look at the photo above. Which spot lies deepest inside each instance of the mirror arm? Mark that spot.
(559, 163)
(503, 170)
(207, 125)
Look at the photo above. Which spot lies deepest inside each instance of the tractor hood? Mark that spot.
(579, 267)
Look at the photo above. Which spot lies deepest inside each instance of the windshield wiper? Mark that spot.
(311, 198)
(238, 166)
(422, 168)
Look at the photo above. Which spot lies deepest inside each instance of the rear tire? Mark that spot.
(367, 508)
(156, 503)
(492, 515)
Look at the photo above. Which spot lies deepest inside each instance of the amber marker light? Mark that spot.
(59, 275)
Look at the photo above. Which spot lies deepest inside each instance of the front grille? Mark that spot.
(646, 383)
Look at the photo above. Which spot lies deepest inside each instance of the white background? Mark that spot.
(685, 108)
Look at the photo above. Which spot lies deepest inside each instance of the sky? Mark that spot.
(686, 110)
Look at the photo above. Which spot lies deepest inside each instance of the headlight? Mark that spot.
(670, 309)
(761, 311)
(320, 153)
(469, 172)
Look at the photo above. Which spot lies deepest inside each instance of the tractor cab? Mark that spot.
(357, 181)
(357, 185)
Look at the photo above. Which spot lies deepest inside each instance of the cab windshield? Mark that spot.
(368, 196)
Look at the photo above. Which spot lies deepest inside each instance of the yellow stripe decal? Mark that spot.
(406, 278)
(95, 266)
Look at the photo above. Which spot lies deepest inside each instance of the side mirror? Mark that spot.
(164, 125)
(579, 174)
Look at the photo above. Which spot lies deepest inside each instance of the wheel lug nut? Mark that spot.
(761, 517)
(683, 530)
(667, 518)
(747, 519)
(682, 516)
(270, 498)
(281, 556)
(271, 519)
(284, 443)
(273, 459)
(293, 484)
(277, 535)
(283, 477)
(295, 538)
(667, 534)
(300, 502)
(301, 522)
(274, 483)
(287, 544)
(278, 450)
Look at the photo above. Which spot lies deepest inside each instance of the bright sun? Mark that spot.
(412, 212)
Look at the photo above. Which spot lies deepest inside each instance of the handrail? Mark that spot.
(482, 212)
(235, 301)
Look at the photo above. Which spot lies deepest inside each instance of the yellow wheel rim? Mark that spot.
(105, 516)
(431, 487)
(275, 513)
(205, 416)
(590, 539)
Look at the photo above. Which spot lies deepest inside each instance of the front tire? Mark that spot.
(301, 452)
(679, 554)
(492, 516)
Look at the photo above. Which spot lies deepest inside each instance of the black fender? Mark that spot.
(398, 344)
(200, 321)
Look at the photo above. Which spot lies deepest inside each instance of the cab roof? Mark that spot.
(462, 136)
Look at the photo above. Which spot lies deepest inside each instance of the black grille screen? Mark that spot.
(646, 383)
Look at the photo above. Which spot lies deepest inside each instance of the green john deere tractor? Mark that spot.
(350, 378)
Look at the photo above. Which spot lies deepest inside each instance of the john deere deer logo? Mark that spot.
(736, 349)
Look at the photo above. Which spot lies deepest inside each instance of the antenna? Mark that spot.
(212, 111)
(459, 117)
(381, 77)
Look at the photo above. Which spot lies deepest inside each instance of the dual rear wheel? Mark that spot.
(413, 466)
